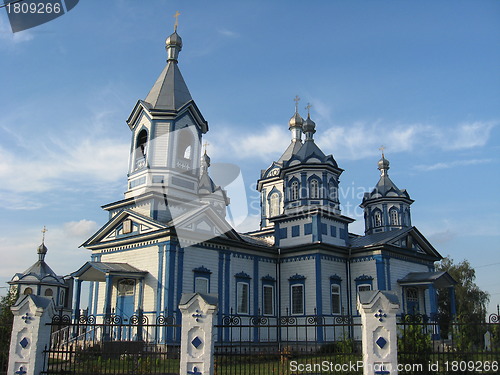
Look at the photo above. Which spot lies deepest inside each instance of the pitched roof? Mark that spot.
(378, 238)
(438, 279)
(169, 92)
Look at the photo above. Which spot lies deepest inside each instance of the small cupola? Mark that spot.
(386, 207)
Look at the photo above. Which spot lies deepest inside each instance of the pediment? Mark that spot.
(414, 240)
(202, 224)
(124, 225)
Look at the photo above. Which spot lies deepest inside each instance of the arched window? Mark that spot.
(332, 191)
(294, 194)
(377, 216)
(28, 291)
(274, 205)
(49, 293)
(313, 189)
(394, 216)
(141, 149)
(185, 143)
(61, 298)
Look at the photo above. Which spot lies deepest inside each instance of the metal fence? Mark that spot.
(439, 345)
(262, 345)
(107, 345)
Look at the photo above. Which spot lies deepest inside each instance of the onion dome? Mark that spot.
(42, 250)
(383, 165)
(296, 121)
(309, 128)
(173, 45)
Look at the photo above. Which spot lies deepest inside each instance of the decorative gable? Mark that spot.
(124, 225)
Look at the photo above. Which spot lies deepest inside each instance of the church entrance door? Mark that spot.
(125, 306)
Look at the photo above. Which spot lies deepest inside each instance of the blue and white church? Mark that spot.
(169, 234)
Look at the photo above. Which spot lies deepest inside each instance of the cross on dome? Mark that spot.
(296, 100)
(176, 16)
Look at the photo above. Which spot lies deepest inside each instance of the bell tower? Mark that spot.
(165, 151)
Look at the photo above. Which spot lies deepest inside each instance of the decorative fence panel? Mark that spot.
(440, 346)
(107, 345)
(262, 345)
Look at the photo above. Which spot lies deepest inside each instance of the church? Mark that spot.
(169, 234)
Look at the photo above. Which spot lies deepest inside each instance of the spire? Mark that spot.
(309, 126)
(170, 92)
(296, 122)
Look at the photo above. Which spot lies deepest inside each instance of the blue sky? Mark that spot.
(420, 77)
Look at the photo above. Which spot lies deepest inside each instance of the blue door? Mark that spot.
(125, 309)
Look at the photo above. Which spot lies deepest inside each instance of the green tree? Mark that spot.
(471, 301)
(6, 319)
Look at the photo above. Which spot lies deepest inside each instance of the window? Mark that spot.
(61, 298)
(297, 299)
(364, 287)
(243, 297)
(201, 285)
(378, 218)
(49, 293)
(141, 149)
(126, 287)
(127, 226)
(294, 191)
(274, 208)
(313, 189)
(394, 217)
(184, 144)
(268, 300)
(142, 144)
(335, 299)
(28, 291)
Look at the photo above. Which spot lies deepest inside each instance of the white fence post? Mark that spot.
(380, 340)
(30, 334)
(197, 344)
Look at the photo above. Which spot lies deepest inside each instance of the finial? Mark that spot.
(176, 16)
(205, 146)
(296, 100)
(308, 107)
(382, 148)
(44, 230)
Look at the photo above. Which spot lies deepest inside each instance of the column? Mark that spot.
(197, 344)
(379, 332)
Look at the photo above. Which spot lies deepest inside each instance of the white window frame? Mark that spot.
(394, 216)
(337, 295)
(294, 191)
(264, 304)
(239, 293)
(364, 286)
(292, 300)
(274, 205)
(314, 189)
(377, 218)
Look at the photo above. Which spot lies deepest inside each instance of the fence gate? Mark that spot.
(107, 345)
(288, 345)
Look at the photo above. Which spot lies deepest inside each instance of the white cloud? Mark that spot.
(452, 164)
(355, 141)
(83, 228)
(469, 135)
